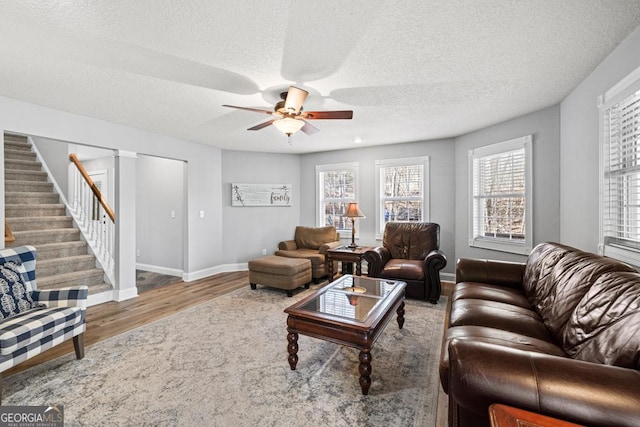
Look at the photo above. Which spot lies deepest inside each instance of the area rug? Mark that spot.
(224, 363)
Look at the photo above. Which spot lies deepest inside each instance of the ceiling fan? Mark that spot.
(289, 115)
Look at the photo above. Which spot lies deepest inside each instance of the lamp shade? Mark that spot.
(288, 126)
(353, 211)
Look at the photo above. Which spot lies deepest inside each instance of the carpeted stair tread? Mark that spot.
(59, 250)
(93, 278)
(19, 154)
(27, 186)
(35, 237)
(11, 165)
(58, 266)
(25, 175)
(40, 223)
(30, 198)
(49, 209)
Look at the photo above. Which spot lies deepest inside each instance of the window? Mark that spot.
(500, 192)
(620, 174)
(337, 186)
(401, 191)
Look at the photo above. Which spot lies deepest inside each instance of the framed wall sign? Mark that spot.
(260, 194)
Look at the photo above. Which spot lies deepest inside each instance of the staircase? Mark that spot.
(36, 217)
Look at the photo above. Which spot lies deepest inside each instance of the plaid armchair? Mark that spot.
(54, 317)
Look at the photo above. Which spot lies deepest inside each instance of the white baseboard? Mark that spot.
(225, 268)
(125, 294)
(100, 298)
(160, 270)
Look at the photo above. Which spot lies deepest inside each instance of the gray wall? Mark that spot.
(544, 125)
(249, 230)
(441, 186)
(159, 193)
(56, 156)
(580, 145)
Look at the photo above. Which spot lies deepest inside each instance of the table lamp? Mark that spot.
(353, 212)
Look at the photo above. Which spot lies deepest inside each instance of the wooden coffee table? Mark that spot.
(351, 311)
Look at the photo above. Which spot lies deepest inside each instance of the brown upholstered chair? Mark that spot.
(311, 243)
(410, 252)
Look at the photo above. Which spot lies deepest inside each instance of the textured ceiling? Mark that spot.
(411, 70)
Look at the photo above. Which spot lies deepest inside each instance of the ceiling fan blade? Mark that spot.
(323, 115)
(295, 99)
(308, 128)
(255, 110)
(262, 125)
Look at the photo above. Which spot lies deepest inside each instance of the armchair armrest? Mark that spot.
(376, 259)
(73, 296)
(585, 393)
(501, 273)
(330, 245)
(433, 263)
(288, 245)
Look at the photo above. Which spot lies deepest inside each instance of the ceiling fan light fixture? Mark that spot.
(288, 125)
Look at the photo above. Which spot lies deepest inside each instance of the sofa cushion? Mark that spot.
(15, 298)
(489, 292)
(315, 257)
(498, 315)
(30, 327)
(565, 276)
(604, 326)
(314, 237)
(494, 336)
(407, 269)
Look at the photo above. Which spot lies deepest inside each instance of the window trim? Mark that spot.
(494, 243)
(625, 87)
(352, 166)
(403, 161)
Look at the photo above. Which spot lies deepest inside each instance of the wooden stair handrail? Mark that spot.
(92, 185)
(8, 235)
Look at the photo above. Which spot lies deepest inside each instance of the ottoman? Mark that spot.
(280, 272)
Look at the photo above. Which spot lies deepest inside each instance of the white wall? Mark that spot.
(248, 230)
(544, 125)
(56, 156)
(160, 213)
(580, 145)
(441, 187)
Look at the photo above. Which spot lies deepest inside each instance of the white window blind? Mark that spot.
(621, 164)
(500, 200)
(337, 186)
(402, 191)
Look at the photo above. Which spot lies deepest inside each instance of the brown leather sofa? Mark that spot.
(311, 243)
(558, 335)
(410, 252)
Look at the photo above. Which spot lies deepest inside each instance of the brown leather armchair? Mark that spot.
(410, 252)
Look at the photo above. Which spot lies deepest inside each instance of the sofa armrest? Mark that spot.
(376, 259)
(585, 393)
(330, 245)
(288, 245)
(74, 296)
(501, 273)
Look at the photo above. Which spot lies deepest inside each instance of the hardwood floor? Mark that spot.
(113, 318)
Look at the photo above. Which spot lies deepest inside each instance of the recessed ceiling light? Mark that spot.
(357, 140)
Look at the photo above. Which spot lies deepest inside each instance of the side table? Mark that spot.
(346, 254)
(507, 416)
